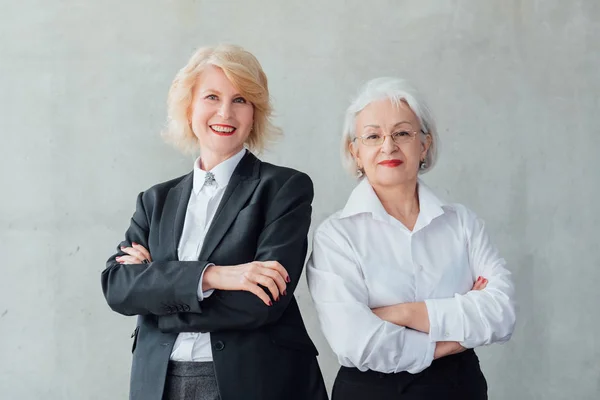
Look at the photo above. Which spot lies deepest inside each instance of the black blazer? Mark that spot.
(259, 352)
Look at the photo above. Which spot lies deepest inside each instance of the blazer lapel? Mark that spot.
(174, 215)
(244, 180)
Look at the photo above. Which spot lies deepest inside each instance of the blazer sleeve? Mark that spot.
(283, 239)
(159, 287)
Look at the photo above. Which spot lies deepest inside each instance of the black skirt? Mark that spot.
(456, 377)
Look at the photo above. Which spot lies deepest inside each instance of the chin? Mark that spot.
(391, 179)
(220, 144)
(226, 147)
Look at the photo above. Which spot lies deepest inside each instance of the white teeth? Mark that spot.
(222, 129)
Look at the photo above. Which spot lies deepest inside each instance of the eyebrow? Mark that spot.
(219, 93)
(395, 125)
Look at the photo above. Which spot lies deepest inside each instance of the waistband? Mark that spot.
(190, 368)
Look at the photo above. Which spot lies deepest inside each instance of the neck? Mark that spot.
(209, 160)
(400, 201)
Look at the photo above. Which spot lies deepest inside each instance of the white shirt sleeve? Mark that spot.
(479, 317)
(356, 335)
(202, 295)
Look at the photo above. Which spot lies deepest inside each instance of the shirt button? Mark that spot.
(219, 346)
(446, 334)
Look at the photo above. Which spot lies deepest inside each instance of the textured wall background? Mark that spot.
(514, 85)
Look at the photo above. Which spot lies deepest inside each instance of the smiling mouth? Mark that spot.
(223, 130)
(390, 163)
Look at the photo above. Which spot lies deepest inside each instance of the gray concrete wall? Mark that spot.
(515, 87)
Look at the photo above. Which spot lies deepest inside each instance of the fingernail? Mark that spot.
(270, 303)
(288, 280)
(134, 243)
(478, 279)
(122, 247)
(285, 292)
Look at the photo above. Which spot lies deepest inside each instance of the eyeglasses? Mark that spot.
(377, 139)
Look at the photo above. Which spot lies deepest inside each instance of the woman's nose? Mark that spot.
(225, 110)
(388, 146)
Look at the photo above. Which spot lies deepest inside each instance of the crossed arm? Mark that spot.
(135, 287)
(415, 316)
(479, 317)
(407, 337)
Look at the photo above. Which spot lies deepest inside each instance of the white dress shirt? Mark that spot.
(364, 258)
(203, 203)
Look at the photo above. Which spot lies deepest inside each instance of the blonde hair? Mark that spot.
(396, 90)
(245, 73)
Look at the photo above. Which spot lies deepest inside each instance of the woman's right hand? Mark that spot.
(269, 274)
(443, 349)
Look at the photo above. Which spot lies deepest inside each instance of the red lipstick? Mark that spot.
(390, 163)
(230, 128)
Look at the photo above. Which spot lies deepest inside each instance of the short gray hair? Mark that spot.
(396, 90)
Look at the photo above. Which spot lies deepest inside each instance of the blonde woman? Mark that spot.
(211, 259)
(406, 285)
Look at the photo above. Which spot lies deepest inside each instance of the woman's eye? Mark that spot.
(211, 97)
(239, 100)
(401, 134)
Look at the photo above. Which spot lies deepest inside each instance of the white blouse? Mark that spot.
(364, 258)
(201, 209)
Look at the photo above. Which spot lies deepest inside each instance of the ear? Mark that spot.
(354, 151)
(426, 145)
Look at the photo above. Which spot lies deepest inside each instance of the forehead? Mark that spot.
(386, 113)
(213, 78)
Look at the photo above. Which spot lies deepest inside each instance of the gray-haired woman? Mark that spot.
(405, 284)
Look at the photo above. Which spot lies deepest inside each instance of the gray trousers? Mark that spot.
(191, 381)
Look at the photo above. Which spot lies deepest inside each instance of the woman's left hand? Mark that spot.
(480, 283)
(137, 254)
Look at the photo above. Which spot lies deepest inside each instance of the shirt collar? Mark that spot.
(430, 206)
(364, 200)
(222, 172)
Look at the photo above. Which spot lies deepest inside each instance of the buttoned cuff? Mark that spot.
(446, 320)
(204, 294)
(419, 342)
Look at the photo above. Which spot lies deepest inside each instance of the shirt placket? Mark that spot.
(207, 194)
(418, 277)
(191, 337)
